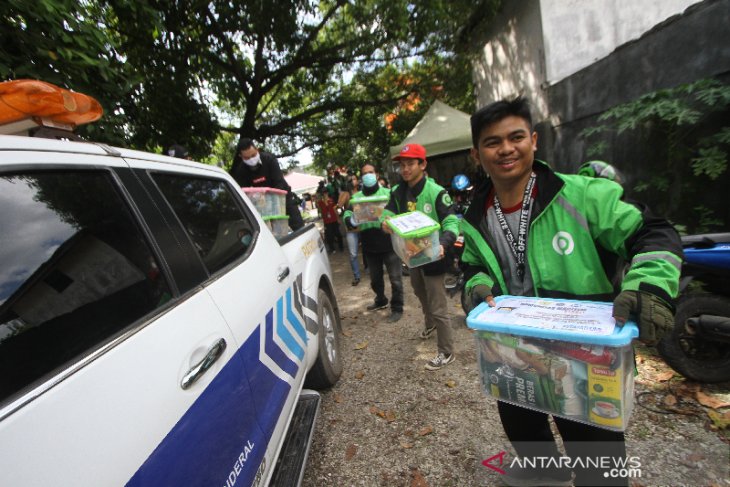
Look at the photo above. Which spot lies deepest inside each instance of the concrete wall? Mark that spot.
(692, 46)
(578, 33)
(511, 60)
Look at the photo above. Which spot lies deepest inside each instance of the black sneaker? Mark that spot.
(376, 306)
(530, 477)
(395, 316)
(356, 281)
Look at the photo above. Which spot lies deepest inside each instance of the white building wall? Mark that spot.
(577, 33)
(512, 59)
(535, 43)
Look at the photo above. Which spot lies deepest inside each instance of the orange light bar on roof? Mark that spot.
(25, 98)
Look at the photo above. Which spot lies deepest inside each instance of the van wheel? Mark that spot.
(327, 369)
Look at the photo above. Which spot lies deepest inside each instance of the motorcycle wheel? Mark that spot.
(692, 356)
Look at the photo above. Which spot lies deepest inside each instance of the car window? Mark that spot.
(75, 270)
(207, 208)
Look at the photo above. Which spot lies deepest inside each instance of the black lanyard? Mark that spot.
(518, 247)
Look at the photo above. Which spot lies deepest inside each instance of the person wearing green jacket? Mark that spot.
(419, 192)
(531, 231)
(378, 249)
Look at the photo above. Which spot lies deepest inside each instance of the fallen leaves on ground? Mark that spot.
(359, 374)
(347, 333)
(417, 479)
(338, 398)
(389, 416)
(664, 376)
(710, 401)
(719, 420)
(425, 431)
(451, 383)
(361, 346)
(406, 445)
(351, 451)
(670, 400)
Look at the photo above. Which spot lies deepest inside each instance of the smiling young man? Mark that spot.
(419, 192)
(533, 232)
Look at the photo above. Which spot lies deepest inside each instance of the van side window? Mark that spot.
(75, 270)
(207, 209)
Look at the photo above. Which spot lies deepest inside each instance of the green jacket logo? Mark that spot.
(563, 243)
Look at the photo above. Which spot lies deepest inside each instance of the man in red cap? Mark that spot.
(419, 192)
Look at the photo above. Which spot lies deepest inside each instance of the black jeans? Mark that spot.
(529, 432)
(332, 233)
(392, 264)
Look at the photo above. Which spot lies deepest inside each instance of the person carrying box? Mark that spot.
(531, 231)
(377, 249)
(419, 192)
(255, 168)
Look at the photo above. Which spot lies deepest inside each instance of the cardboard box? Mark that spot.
(369, 208)
(415, 238)
(563, 357)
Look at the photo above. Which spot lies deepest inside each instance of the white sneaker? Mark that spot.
(439, 361)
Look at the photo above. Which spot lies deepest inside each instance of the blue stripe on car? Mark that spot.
(273, 350)
(283, 332)
(298, 327)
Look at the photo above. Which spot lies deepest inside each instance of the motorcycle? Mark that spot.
(699, 345)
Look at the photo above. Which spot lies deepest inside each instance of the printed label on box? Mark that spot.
(593, 318)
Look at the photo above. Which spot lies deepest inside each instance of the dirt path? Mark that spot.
(389, 422)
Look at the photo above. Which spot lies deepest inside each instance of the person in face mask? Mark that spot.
(377, 249)
(256, 168)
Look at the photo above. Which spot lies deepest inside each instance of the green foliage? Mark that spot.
(684, 129)
(67, 43)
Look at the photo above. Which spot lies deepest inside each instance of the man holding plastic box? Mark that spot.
(255, 168)
(419, 192)
(533, 232)
(377, 249)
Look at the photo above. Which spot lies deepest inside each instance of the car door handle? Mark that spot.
(283, 274)
(197, 370)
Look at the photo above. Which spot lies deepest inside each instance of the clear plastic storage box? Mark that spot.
(559, 356)
(369, 208)
(415, 238)
(268, 201)
(279, 225)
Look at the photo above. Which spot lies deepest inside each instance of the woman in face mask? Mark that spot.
(377, 249)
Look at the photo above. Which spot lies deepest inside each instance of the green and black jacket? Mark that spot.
(579, 226)
(430, 198)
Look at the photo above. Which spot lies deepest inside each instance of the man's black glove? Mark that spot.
(653, 315)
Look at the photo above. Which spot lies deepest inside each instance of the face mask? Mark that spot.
(254, 161)
(369, 180)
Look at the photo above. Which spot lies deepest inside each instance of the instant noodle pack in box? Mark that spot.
(268, 201)
(415, 238)
(368, 208)
(279, 225)
(563, 357)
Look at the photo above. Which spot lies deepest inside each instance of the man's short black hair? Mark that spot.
(243, 144)
(494, 112)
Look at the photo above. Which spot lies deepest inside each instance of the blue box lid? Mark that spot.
(569, 320)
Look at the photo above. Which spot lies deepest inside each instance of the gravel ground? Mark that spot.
(389, 422)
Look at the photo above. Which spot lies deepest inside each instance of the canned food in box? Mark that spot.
(563, 357)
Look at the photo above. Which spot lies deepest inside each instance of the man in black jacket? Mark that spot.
(255, 168)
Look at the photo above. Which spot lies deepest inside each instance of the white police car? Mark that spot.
(153, 331)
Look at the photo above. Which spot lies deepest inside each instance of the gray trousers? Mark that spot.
(431, 292)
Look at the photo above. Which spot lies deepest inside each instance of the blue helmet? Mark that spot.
(460, 182)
